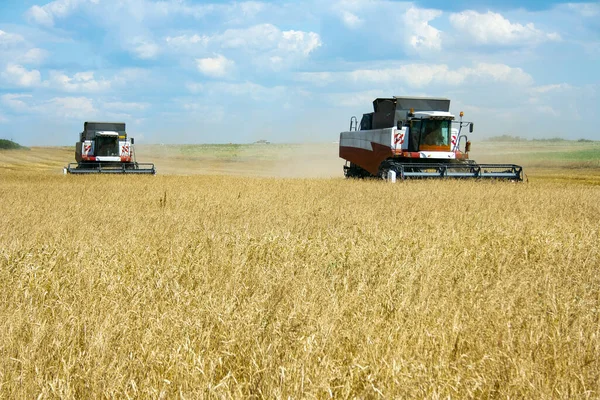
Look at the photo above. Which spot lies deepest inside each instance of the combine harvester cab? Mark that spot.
(414, 137)
(104, 148)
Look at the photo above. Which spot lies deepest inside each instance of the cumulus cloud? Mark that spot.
(421, 75)
(63, 107)
(558, 87)
(79, 82)
(355, 99)
(187, 40)
(46, 14)
(299, 42)
(127, 76)
(66, 107)
(356, 13)
(255, 39)
(9, 39)
(493, 29)
(497, 73)
(80, 108)
(215, 67)
(350, 19)
(421, 36)
(15, 101)
(33, 56)
(144, 48)
(18, 75)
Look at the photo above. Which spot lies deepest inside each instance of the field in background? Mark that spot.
(212, 284)
(546, 160)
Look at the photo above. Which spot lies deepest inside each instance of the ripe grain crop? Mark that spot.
(240, 287)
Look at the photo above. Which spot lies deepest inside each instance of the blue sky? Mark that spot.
(183, 71)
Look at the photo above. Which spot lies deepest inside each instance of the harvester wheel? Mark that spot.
(354, 171)
(387, 166)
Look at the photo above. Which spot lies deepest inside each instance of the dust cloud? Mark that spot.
(314, 160)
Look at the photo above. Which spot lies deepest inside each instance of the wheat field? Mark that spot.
(215, 286)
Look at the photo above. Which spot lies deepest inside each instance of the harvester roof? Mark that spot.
(92, 129)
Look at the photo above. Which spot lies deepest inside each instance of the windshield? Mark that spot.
(431, 132)
(107, 146)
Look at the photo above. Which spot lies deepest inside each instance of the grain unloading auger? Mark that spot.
(104, 148)
(414, 137)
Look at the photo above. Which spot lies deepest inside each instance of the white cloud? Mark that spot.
(242, 11)
(3, 119)
(33, 56)
(559, 87)
(276, 61)
(350, 19)
(299, 42)
(46, 14)
(348, 11)
(498, 73)
(127, 76)
(355, 99)
(84, 82)
(144, 48)
(79, 82)
(493, 29)
(265, 37)
(40, 15)
(15, 101)
(69, 107)
(9, 39)
(421, 36)
(146, 10)
(18, 75)
(587, 10)
(61, 107)
(187, 40)
(421, 75)
(255, 39)
(216, 67)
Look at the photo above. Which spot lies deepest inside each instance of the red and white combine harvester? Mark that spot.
(104, 148)
(414, 137)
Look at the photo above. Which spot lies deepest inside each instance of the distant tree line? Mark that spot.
(6, 144)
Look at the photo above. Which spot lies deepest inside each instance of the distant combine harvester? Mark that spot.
(104, 148)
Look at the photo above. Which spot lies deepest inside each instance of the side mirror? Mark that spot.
(132, 141)
(471, 127)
